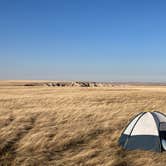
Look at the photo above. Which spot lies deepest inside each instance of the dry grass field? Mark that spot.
(64, 126)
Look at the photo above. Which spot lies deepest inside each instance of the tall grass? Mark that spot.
(73, 126)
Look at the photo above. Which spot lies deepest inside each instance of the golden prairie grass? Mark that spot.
(73, 126)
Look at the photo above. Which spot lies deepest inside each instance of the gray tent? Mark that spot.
(147, 131)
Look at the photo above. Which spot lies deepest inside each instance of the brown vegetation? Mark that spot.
(41, 125)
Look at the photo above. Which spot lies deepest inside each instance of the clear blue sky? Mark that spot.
(97, 40)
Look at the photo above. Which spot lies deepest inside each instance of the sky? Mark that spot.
(91, 40)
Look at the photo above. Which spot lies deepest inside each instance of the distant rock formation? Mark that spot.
(70, 84)
(33, 84)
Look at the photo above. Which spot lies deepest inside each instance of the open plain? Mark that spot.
(41, 125)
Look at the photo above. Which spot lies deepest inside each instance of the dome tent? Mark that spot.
(147, 131)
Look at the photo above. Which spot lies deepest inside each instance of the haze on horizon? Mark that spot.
(96, 40)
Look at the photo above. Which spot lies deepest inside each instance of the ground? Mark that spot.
(74, 126)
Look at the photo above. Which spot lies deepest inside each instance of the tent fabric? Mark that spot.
(163, 141)
(131, 125)
(145, 126)
(146, 131)
(144, 142)
(161, 117)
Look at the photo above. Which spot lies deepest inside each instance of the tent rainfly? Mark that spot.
(147, 131)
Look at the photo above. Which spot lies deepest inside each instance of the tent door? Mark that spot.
(162, 130)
